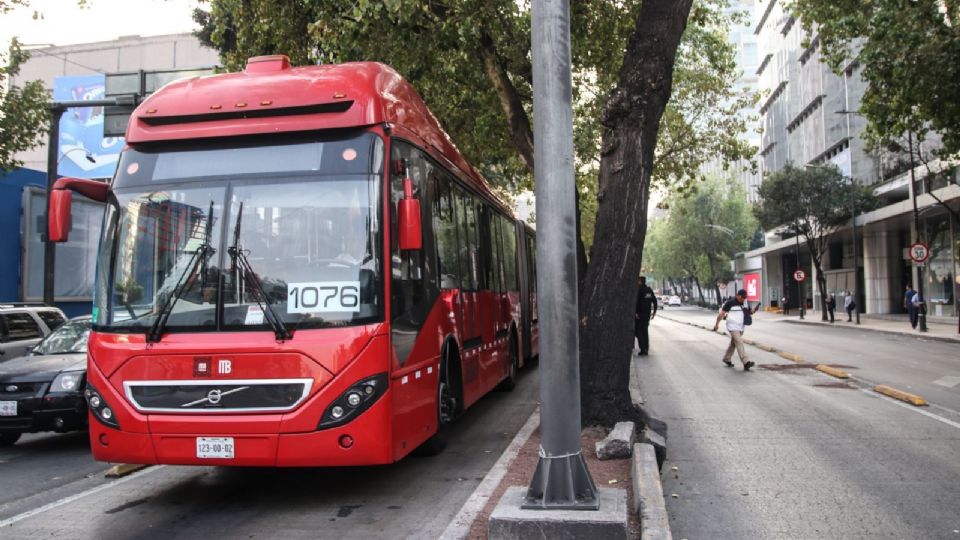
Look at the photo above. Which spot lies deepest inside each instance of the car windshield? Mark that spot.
(68, 338)
(219, 237)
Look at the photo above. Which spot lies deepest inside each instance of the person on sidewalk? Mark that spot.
(785, 305)
(831, 306)
(646, 301)
(910, 306)
(849, 305)
(733, 311)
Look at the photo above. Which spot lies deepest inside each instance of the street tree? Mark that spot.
(471, 61)
(909, 52)
(814, 203)
(703, 232)
(24, 118)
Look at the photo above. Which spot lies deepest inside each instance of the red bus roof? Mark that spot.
(270, 96)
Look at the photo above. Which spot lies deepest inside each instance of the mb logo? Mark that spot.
(224, 367)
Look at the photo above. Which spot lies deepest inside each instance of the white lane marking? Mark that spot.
(82, 494)
(459, 526)
(949, 381)
(910, 407)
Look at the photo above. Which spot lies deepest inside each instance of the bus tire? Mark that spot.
(508, 384)
(446, 408)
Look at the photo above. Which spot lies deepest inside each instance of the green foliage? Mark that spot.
(24, 118)
(813, 201)
(909, 51)
(440, 46)
(704, 230)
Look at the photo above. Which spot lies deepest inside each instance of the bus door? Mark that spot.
(470, 327)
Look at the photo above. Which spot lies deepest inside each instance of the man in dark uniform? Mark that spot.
(643, 314)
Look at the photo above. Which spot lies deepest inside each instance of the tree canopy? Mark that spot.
(470, 61)
(814, 203)
(703, 231)
(24, 118)
(909, 51)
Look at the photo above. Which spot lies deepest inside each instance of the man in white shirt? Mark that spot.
(733, 311)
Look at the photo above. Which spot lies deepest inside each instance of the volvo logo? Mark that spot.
(214, 396)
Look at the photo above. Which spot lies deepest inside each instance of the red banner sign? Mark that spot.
(751, 282)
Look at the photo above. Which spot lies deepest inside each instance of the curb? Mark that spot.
(648, 502)
(889, 391)
(648, 455)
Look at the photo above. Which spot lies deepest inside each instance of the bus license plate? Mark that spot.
(8, 408)
(215, 447)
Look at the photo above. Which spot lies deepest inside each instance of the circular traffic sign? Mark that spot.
(799, 275)
(919, 252)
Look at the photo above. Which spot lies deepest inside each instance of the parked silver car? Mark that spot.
(23, 325)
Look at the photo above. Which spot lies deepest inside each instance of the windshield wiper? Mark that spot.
(201, 254)
(238, 256)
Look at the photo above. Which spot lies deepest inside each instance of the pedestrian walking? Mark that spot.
(735, 312)
(849, 305)
(646, 309)
(785, 305)
(831, 306)
(910, 305)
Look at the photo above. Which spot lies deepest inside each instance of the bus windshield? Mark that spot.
(204, 239)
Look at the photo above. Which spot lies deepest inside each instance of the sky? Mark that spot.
(64, 23)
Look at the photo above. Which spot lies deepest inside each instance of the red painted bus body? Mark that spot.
(259, 173)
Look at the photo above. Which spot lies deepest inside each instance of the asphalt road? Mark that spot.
(53, 489)
(784, 451)
(928, 368)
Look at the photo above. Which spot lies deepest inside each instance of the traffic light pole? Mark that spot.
(57, 108)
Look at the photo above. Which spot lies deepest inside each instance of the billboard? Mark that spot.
(83, 150)
(751, 282)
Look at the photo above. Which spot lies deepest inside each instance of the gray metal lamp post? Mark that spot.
(561, 480)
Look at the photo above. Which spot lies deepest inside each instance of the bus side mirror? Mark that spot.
(61, 196)
(58, 219)
(408, 219)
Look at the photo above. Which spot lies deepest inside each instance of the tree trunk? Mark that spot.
(631, 119)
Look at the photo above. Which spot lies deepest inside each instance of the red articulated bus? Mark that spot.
(297, 268)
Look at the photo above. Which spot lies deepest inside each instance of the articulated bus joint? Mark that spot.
(353, 401)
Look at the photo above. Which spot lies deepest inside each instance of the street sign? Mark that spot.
(799, 275)
(919, 252)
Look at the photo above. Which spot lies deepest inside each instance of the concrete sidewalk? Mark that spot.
(888, 324)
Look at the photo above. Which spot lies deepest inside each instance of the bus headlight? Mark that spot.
(99, 407)
(353, 401)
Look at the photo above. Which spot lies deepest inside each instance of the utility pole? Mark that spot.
(803, 301)
(561, 480)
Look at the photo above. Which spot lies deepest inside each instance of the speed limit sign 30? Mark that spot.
(919, 252)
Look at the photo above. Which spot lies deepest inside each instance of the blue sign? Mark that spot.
(84, 152)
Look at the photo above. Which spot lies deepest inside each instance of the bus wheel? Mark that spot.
(446, 412)
(510, 382)
(8, 439)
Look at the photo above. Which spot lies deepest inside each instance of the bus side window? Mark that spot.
(445, 231)
(509, 236)
(468, 247)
